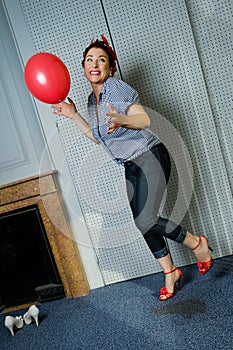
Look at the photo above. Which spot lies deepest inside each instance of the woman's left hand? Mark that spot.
(136, 118)
(116, 120)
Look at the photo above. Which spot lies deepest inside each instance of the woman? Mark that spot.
(119, 123)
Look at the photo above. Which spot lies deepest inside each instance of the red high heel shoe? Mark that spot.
(203, 266)
(164, 293)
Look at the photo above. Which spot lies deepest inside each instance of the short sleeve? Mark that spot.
(122, 95)
(126, 92)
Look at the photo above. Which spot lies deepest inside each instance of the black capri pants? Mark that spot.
(146, 180)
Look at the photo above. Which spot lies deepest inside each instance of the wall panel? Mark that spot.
(21, 139)
(157, 55)
(212, 24)
(120, 249)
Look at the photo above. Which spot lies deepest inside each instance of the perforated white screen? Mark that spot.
(162, 62)
(212, 25)
(158, 56)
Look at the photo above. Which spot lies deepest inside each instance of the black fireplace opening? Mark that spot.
(28, 271)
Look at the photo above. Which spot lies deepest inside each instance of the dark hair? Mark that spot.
(102, 45)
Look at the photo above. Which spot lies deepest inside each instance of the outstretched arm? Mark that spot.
(69, 110)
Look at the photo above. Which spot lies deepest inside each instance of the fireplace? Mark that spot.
(38, 255)
(27, 267)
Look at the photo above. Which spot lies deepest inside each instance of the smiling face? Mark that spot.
(96, 66)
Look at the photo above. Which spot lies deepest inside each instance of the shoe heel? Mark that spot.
(9, 323)
(11, 330)
(180, 280)
(207, 241)
(32, 313)
(36, 319)
(164, 294)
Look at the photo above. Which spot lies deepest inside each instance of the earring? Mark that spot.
(110, 74)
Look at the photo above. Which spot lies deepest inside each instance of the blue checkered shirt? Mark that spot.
(123, 144)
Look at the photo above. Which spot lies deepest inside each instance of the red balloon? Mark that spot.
(47, 78)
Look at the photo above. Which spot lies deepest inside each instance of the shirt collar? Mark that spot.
(103, 89)
(105, 85)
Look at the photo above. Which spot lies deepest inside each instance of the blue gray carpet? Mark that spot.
(128, 315)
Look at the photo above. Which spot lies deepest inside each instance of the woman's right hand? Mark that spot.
(66, 109)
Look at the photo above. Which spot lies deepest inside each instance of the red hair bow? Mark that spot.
(109, 47)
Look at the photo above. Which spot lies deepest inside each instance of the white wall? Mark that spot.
(168, 54)
(30, 144)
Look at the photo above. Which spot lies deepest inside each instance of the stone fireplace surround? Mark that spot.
(42, 190)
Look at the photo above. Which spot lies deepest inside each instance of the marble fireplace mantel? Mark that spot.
(42, 190)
